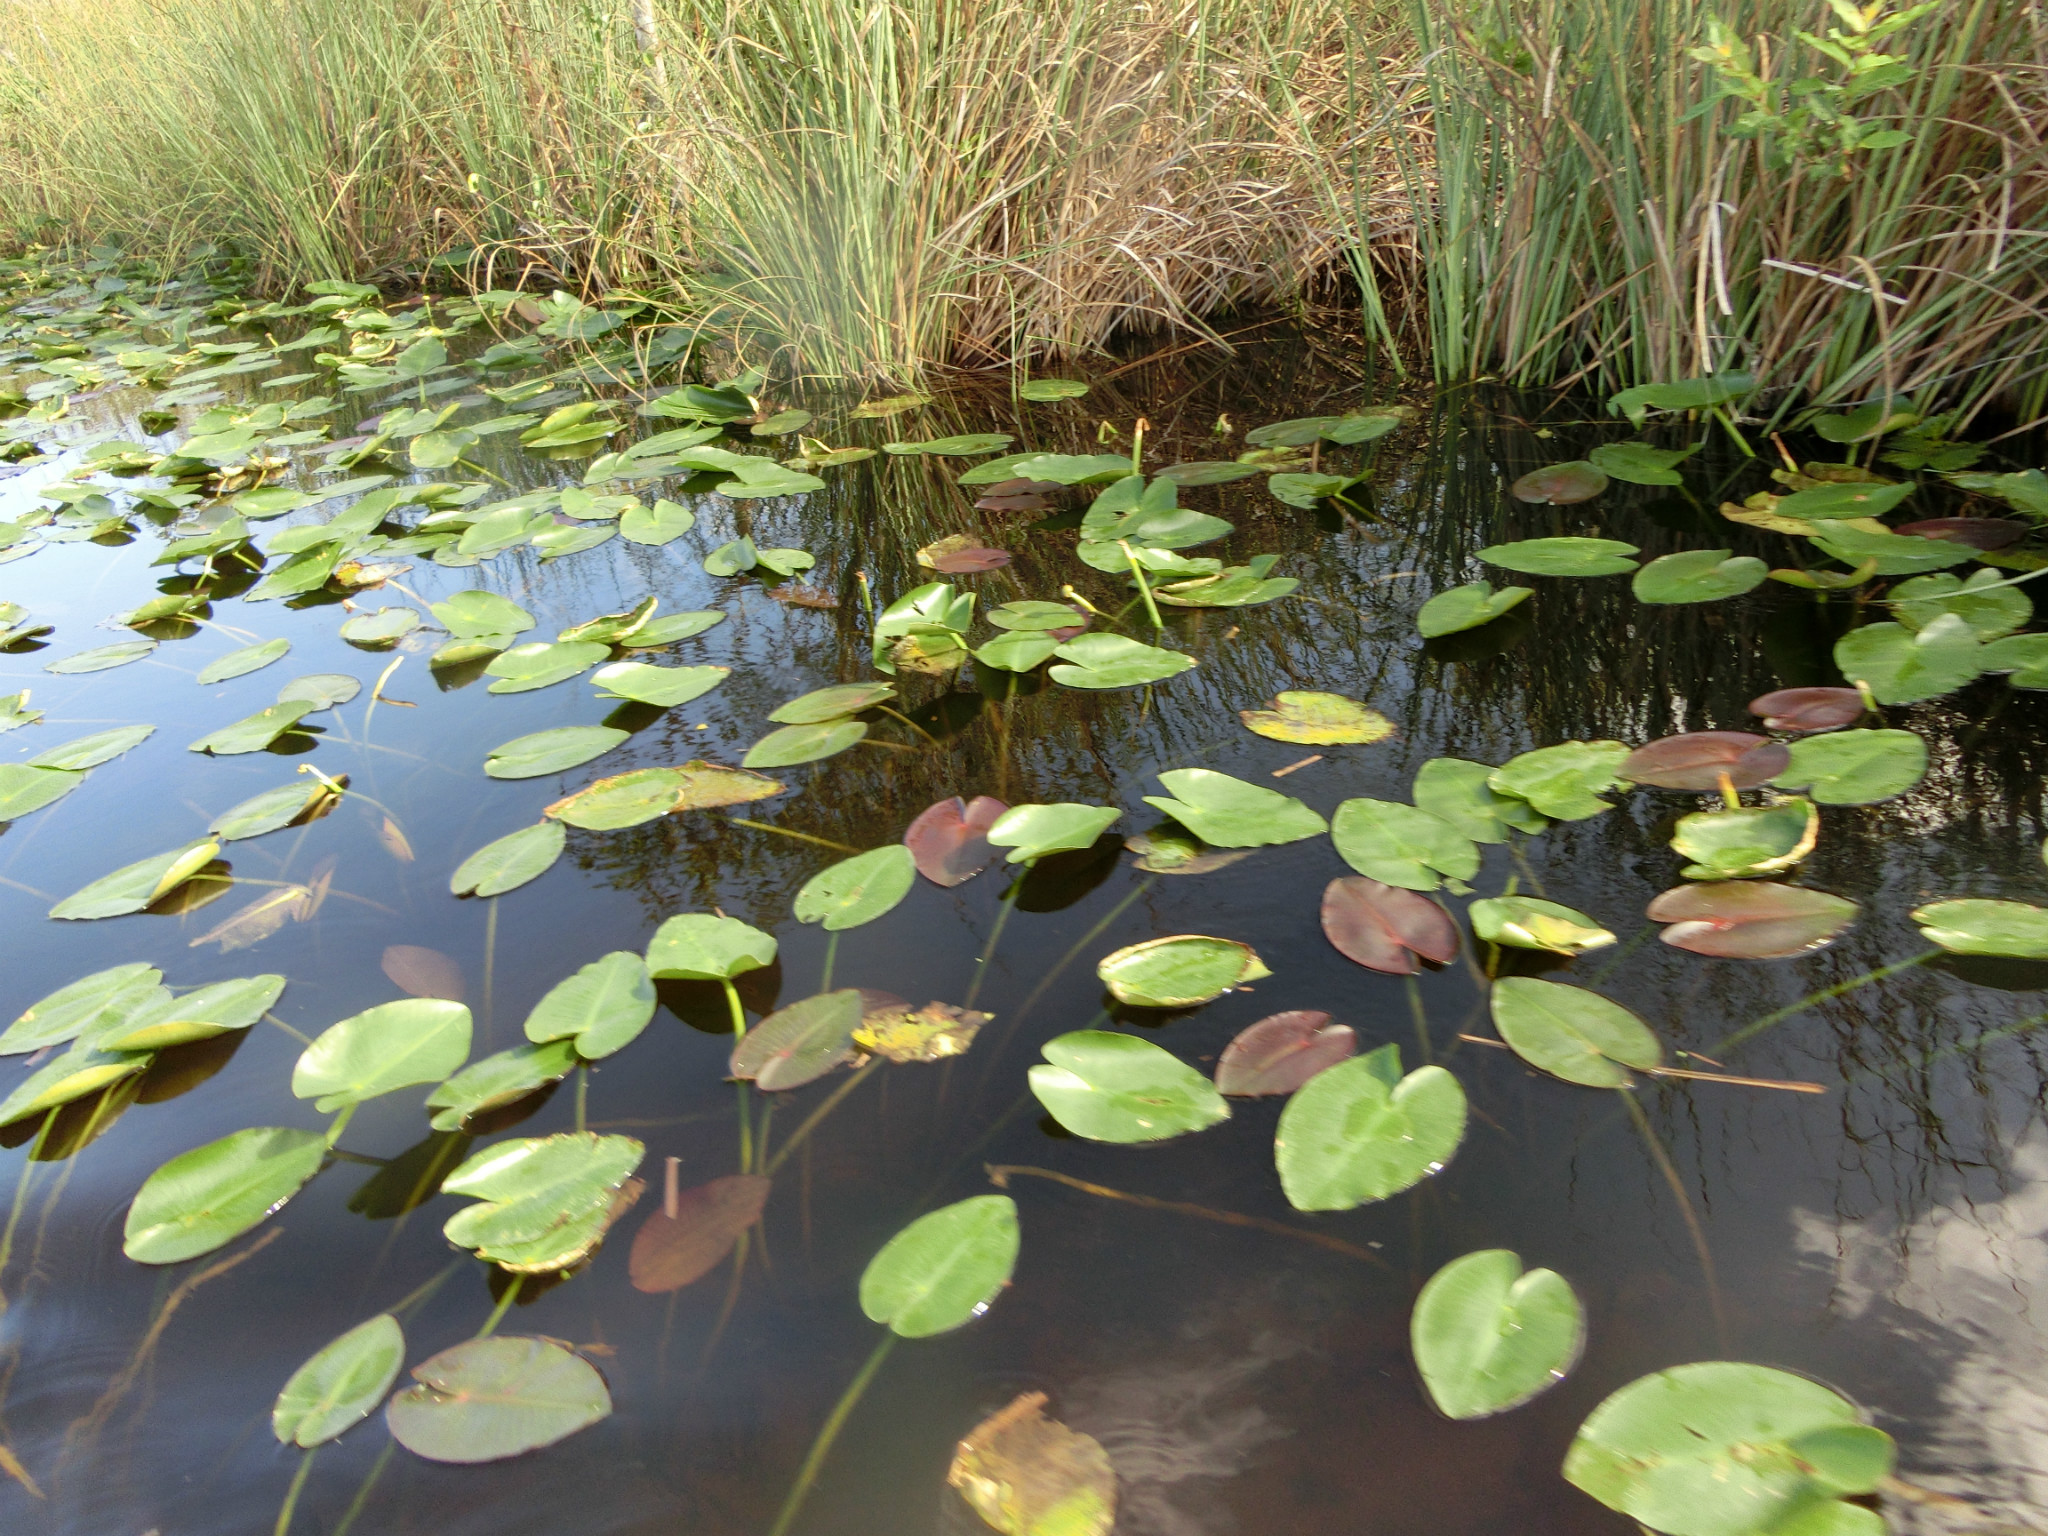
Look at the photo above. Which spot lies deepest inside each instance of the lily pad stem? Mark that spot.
(340, 1123)
(1144, 587)
(291, 1494)
(1692, 1221)
(797, 1137)
(363, 1492)
(831, 954)
(1729, 797)
(995, 933)
(1756, 1027)
(739, 1033)
(583, 1098)
(822, 1446)
(504, 1305)
(1735, 432)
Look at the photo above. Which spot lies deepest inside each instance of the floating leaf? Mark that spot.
(320, 690)
(1563, 557)
(538, 664)
(24, 789)
(1975, 927)
(949, 840)
(662, 687)
(88, 1006)
(1167, 850)
(662, 523)
(1890, 554)
(1226, 812)
(1115, 661)
(100, 658)
(510, 861)
(1698, 576)
(1044, 390)
(79, 1071)
(1855, 767)
(796, 744)
(1698, 394)
(255, 732)
(1317, 720)
(857, 890)
(1750, 919)
(1458, 791)
(628, 799)
(1809, 709)
(1560, 485)
(1641, 464)
(1401, 844)
(386, 626)
(1754, 840)
(544, 1201)
(670, 1252)
(1466, 607)
(556, 751)
(1852, 500)
(1488, 1337)
(1386, 927)
(339, 1385)
(239, 663)
(421, 972)
(486, 1399)
(1183, 971)
(1723, 1449)
(1985, 533)
(2024, 656)
(931, 1033)
(165, 1021)
(1699, 760)
(381, 1049)
(477, 614)
(1119, 1088)
(1237, 586)
(1360, 1131)
(834, 703)
(1027, 1475)
(958, 554)
(1281, 1052)
(275, 808)
(1989, 607)
(964, 445)
(206, 1198)
(1527, 922)
(1031, 832)
(701, 947)
(600, 1009)
(1571, 1033)
(800, 1043)
(1565, 781)
(135, 886)
(944, 1269)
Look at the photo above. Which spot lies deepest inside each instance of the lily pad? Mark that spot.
(1028, 1475)
(670, 1252)
(340, 1385)
(1044, 390)
(1564, 782)
(1828, 502)
(1754, 840)
(1750, 919)
(932, 1033)
(242, 662)
(1281, 1052)
(1890, 554)
(1976, 927)
(600, 1009)
(1317, 720)
(274, 808)
(948, 841)
(538, 664)
(1560, 485)
(79, 1071)
(101, 658)
(24, 789)
(1724, 1449)
(1361, 1131)
(1699, 760)
(255, 732)
(387, 626)
(857, 890)
(1641, 464)
(135, 886)
(1467, 607)
(546, 752)
(1990, 609)
(1031, 832)
(206, 1198)
(1115, 661)
(1460, 793)
(1855, 767)
(478, 614)
(1488, 1337)
(320, 690)
(700, 946)
(800, 1043)
(962, 445)
(486, 1399)
(544, 1201)
(1402, 844)
(1810, 709)
(382, 1049)
(796, 744)
(510, 861)
(834, 703)
(1386, 927)
(628, 799)
(1528, 922)
(1119, 1088)
(661, 687)
(217, 1009)
(1572, 1033)
(944, 1269)
(1183, 971)
(1700, 394)
(1226, 812)
(88, 1006)
(1563, 557)
(662, 523)
(1698, 576)
(958, 554)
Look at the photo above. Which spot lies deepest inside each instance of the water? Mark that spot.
(1883, 1237)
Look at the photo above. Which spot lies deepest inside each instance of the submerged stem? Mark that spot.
(1144, 587)
(504, 1305)
(995, 933)
(822, 1446)
(1756, 1027)
(739, 1033)
(831, 954)
(797, 1137)
(291, 1494)
(1692, 1221)
(362, 1497)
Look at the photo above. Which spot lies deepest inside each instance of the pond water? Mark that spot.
(1883, 1235)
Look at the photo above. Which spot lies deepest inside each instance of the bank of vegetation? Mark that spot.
(1848, 202)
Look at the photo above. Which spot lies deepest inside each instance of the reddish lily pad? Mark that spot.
(1976, 532)
(1282, 1051)
(1560, 485)
(957, 554)
(1810, 709)
(1384, 927)
(670, 1252)
(1750, 919)
(1697, 760)
(949, 840)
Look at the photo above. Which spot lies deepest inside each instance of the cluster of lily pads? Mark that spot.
(1724, 1447)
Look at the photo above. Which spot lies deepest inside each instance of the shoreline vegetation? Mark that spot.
(1849, 203)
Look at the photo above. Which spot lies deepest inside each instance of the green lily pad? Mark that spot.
(1361, 1131)
(628, 799)
(510, 861)
(1700, 394)
(24, 789)
(1296, 489)
(387, 626)
(206, 1198)
(1527, 922)
(1044, 390)
(1698, 576)
(100, 658)
(2025, 657)
(544, 1201)
(340, 1385)
(1402, 845)
(1317, 720)
(1976, 927)
(1017, 651)
(272, 809)
(1989, 608)
(87, 1006)
(254, 732)
(1032, 831)
(1903, 666)
(857, 890)
(556, 751)
(834, 703)
(476, 614)
(1571, 1033)
(1119, 1088)
(538, 664)
(1639, 463)
(1560, 485)
(1229, 813)
(662, 687)
(1488, 1337)
(671, 628)
(1236, 586)
(1563, 557)
(217, 1009)
(702, 947)
(1725, 1449)
(79, 1071)
(944, 1269)
(382, 1049)
(662, 523)
(486, 1399)
(1563, 782)
(319, 691)
(1891, 554)
(554, 543)
(1855, 767)
(1115, 661)
(1828, 502)
(794, 744)
(135, 886)
(501, 1079)
(1460, 793)
(1467, 607)
(964, 445)
(800, 1043)
(90, 751)
(1183, 971)
(600, 1009)
(242, 662)
(1755, 840)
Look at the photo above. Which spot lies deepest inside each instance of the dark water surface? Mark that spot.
(1885, 1237)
